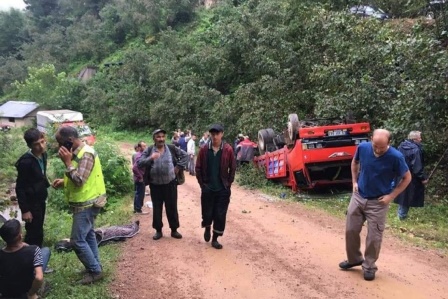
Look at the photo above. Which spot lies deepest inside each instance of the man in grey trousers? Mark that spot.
(374, 167)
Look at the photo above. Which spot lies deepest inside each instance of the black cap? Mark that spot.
(10, 230)
(158, 131)
(216, 128)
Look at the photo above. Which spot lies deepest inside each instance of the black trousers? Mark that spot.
(35, 228)
(164, 194)
(214, 206)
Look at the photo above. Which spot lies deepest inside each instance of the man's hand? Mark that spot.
(155, 156)
(385, 199)
(65, 155)
(58, 183)
(355, 187)
(425, 182)
(27, 217)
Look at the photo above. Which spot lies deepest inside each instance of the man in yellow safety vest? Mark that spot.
(85, 192)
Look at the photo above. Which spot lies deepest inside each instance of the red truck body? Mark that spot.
(319, 156)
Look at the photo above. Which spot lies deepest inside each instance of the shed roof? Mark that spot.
(17, 109)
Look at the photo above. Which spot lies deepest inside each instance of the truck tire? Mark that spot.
(293, 126)
(265, 140)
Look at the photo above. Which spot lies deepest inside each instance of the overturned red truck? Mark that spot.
(311, 153)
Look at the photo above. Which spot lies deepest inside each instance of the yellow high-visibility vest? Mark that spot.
(92, 188)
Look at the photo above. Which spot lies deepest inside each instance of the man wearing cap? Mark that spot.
(162, 162)
(22, 265)
(215, 172)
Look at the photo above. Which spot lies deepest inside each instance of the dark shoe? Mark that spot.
(90, 278)
(346, 265)
(141, 212)
(207, 234)
(216, 244)
(157, 236)
(48, 271)
(369, 276)
(176, 235)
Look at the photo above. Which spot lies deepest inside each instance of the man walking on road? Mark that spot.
(215, 172)
(162, 162)
(414, 194)
(85, 192)
(375, 166)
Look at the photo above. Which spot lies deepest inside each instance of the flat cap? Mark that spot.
(216, 128)
(157, 131)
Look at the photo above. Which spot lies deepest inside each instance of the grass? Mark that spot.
(425, 227)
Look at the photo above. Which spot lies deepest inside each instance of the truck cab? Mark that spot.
(311, 153)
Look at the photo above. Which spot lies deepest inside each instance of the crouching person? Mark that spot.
(85, 191)
(22, 265)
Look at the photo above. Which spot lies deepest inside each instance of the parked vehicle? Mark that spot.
(369, 11)
(311, 153)
(50, 120)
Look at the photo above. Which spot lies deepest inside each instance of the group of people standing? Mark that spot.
(214, 169)
(24, 261)
(380, 174)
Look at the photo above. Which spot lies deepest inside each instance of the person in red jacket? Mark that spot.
(245, 151)
(215, 172)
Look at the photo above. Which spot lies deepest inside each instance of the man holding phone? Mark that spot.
(85, 192)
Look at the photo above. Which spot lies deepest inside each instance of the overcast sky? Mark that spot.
(6, 4)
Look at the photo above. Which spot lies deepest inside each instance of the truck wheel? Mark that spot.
(265, 140)
(293, 126)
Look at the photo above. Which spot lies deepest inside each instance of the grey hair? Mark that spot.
(413, 135)
(67, 131)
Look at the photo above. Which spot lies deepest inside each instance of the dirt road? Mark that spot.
(271, 250)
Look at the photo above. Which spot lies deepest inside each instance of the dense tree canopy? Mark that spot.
(245, 63)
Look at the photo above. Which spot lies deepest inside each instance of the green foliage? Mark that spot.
(253, 178)
(51, 90)
(116, 172)
(12, 31)
(13, 146)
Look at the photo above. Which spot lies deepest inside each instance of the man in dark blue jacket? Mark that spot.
(31, 186)
(414, 194)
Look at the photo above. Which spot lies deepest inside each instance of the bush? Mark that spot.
(252, 177)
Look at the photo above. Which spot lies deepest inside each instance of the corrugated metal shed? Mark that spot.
(17, 109)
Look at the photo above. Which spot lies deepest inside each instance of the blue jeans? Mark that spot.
(402, 212)
(84, 240)
(139, 196)
(45, 257)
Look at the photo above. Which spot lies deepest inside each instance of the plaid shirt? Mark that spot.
(85, 165)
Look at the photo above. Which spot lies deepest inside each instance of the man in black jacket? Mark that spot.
(31, 186)
(414, 194)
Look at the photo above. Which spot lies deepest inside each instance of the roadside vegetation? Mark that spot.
(245, 63)
(58, 219)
